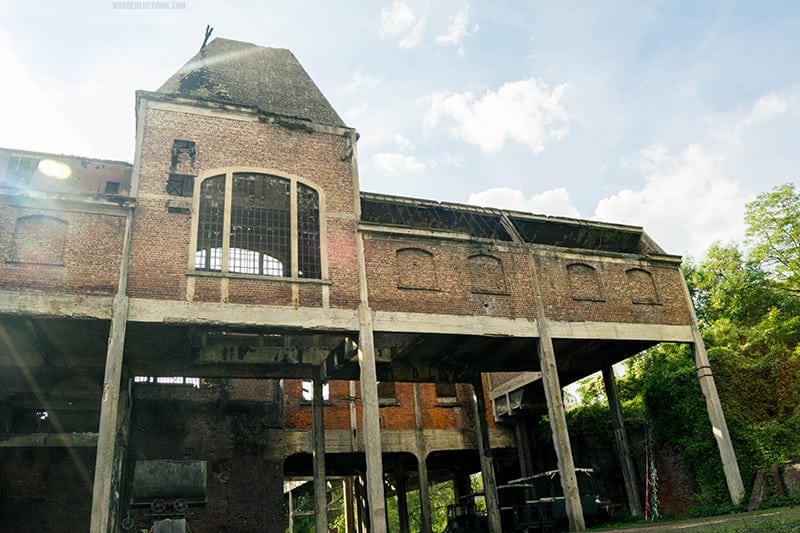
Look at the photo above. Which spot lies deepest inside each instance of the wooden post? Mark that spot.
(621, 440)
(318, 441)
(485, 451)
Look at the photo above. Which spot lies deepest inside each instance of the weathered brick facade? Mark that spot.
(296, 276)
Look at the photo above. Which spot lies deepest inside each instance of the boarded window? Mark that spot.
(40, 240)
(584, 283)
(487, 275)
(642, 286)
(415, 269)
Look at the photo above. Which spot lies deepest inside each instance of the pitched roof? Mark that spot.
(270, 79)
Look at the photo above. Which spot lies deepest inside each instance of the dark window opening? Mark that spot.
(308, 241)
(184, 154)
(446, 394)
(210, 224)
(386, 393)
(112, 187)
(180, 185)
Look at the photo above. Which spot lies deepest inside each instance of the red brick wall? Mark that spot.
(393, 415)
(161, 240)
(451, 288)
(617, 304)
(92, 251)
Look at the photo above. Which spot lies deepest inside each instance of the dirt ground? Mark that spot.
(779, 520)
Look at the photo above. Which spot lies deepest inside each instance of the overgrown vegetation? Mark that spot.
(748, 304)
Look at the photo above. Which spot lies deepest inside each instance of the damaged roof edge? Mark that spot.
(419, 202)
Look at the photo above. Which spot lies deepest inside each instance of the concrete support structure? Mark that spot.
(348, 497)
(556, 411)
(621, 441)
(318, 441)
(369, 400)
(485, 452)
(104, 492)
(714, 407)
(402, 500)
(523, 447)
(422, 467)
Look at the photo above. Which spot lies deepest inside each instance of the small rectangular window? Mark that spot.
(446, 394)
(112, 187)
(180, 185)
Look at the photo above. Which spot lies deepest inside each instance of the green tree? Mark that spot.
(773, 231)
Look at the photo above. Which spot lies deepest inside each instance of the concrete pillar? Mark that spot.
(318, 445)
(422, 467)
(718, 425)
(524, 452)
(402, 500)
(348, 498)
(714, 407)
(291, 512)
(106, 490)
(555, 409)
(369, 394)
(485, 451)
(461, 484)
(621, 440)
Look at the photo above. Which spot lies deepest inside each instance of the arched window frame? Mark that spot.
(294, 181)
(580, 293)
(487, 274)
(642, 286)
(56, 238)
(408, 277)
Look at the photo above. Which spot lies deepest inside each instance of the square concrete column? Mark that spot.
(318, 457)
(485, 452)
(422, 467)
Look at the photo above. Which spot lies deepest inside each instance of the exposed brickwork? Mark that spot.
(454, 290)
(92, 251)
(224, 424)
(161, 240)
(618, 296)
(675, 483)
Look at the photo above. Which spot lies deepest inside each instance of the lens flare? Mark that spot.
(54, 169)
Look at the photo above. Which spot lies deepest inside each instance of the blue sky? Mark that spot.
(666, 115)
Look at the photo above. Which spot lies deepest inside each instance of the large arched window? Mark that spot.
(254, 223)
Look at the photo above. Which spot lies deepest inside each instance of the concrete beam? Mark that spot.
(620, 331)
(55, 305)
(453, 324)
(48, 440)
(242, 315)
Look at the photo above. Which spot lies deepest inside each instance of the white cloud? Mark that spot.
(396, 163)
(457, 30)
(400, 21)
(526, 111)
(766, 108)
(686, 203)
(554, 202)
(361, 80)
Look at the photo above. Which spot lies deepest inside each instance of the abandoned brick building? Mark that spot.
(321, 333)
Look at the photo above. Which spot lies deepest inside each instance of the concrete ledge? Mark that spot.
(48, 440)
(206, 313)
(620, 331)
(55, 305)
(454, 324)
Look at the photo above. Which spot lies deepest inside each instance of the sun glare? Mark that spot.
(54, 169)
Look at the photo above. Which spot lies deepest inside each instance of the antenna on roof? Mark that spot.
(209, 29)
